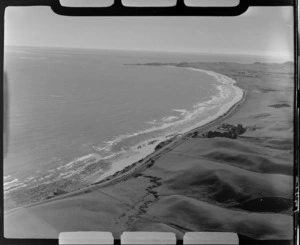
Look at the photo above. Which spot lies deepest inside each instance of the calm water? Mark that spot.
(70, 108)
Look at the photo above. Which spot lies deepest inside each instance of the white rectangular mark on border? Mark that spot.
(211, 3)
(86, 237)
(86, 3)
(149, 3)
(221, 238)
(140, 238)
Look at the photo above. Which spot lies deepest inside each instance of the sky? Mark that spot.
(260, 31)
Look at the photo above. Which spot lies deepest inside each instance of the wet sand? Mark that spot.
(194, 183)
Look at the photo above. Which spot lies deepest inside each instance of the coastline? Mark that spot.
(240, 94)
(139, 163)
(225, 182)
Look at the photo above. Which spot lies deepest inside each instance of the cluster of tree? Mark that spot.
(231, 132)
(213, 134)
(195, 134)
(229, 127)
(164, 143)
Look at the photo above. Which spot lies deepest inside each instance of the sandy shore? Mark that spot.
(194, 183)
(149, 153)
(128, 166)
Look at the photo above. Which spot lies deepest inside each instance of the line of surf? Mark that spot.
(150, 149)
(137, 153)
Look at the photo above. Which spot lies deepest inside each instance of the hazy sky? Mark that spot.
(260, 31)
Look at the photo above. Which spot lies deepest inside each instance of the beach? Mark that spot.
(65, 139)
(242, 184)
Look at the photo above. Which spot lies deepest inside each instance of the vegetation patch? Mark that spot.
(227, 131)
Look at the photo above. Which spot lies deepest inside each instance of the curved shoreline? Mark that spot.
(189, 118)
(143, 163)
(223, 80)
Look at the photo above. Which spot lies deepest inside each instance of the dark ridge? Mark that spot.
(262, 116)
(280, 105)
(264, 90)
(251, 162)
(281, 144)
(267, 204)
(164, 143)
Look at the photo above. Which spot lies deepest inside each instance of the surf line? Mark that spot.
(144, 163)
(223, 113)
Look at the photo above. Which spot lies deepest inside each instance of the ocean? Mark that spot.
(72, 113)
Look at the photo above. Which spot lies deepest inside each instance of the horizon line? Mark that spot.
(154, 51)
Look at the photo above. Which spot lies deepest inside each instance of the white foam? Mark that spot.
(132, 156)
(114, 141)
(84, 162)
(181, 111)
(152, 122)
(214, 101)
(6, 177)
(190, 119)
(29, 179)
(96, 148)
(83, 159)
(114, 155)
(6, 191)
(13, 185)
(169, 119)
(10, 182)
(225, 90)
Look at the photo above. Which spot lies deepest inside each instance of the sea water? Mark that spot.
(68, 109)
